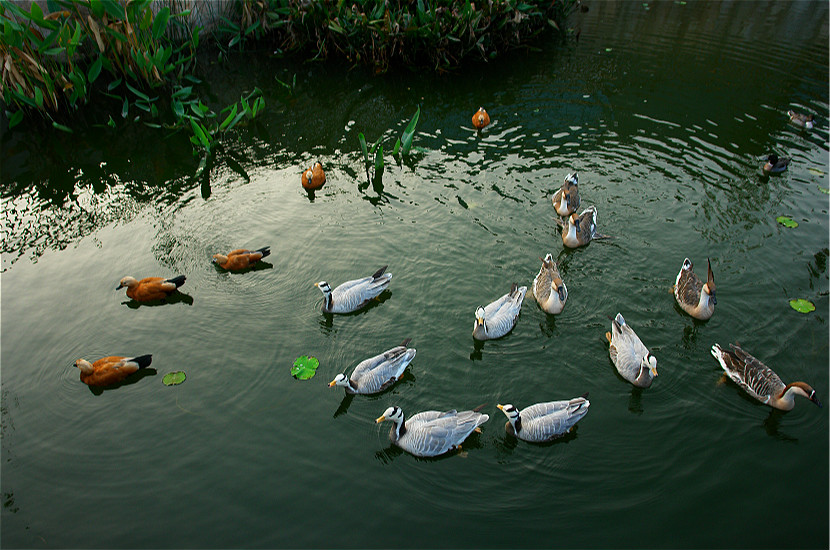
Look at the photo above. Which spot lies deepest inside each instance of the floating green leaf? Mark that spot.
(802, 306)
(786, 222)
(304, 367)
(824, 190)
(173, 378)
(816, 172)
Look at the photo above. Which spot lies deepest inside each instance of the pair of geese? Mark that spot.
(433, 433)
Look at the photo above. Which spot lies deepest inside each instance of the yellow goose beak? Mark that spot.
(379, 420)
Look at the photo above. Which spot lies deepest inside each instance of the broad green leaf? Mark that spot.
(379, 161)
(95, 69)
(304, 367)
(802, 306)
(397, 147)
(114, 84)
(15, 119)
(173, 378)
(62, 128)
(363, 148)
(229, 118)
(160, 22)
(139, 93)
(786, 222)
(125, 108)
(409, 132)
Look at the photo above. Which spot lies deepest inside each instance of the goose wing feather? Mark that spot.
(749, 373)
(379, 372)
(544, 421)
(432, 433)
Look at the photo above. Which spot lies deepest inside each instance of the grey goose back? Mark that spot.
(580, 230)
(759, 381)
(498, 318)
(432, 433)
(628, 353)
(377, 373)
(353, 295)
(548, 287)
(545, 421)
(566, 200)
(693, 295)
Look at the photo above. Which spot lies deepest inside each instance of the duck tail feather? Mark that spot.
(143, 360)
(178, 281)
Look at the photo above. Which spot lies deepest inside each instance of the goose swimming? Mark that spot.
(633, 360)
(377, 373)
(498, 318)
(549, 288)
(353, 295)
(566, 200)
(241, 258)
(759, 381)
(432, 433)
(693, 295)
(545, 421)
(111, 370)
(150, 288)
(580, 230)
(803, 121)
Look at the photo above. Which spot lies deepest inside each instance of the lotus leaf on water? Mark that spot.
(802, 306)
(173, 378)
(304, 367)
(786, 222)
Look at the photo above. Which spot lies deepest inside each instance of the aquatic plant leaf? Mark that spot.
(824, 190)
(409, 132)
(816, 172)
(304, 367)
(802, 306)
(173, 378)
(363, 148)
(786, 222)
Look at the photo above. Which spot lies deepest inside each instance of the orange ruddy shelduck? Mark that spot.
(314, 177)
(481, 118)
(110, 370)
(150, 288)
(240, 259)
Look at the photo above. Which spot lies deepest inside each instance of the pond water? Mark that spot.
(665, 110)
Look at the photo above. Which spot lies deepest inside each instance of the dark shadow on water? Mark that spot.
(130, 380)
(406, 378)
(175, 298)
(343, 408)
(259, 266)
(548, 326)
(773, 422)
(635, 401)
(389, 454)
(478, 346)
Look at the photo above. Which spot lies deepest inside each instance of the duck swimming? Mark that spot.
(775, 165)
(759, 381)
(693, 295)
(566, 200)
(481, 118)
(314, 177)
(110, 370)
(150, 288)
(549, 288)
(241, 258)
(580, 230)
(803, 121)
(499, 317)
(353, 295)
(544, 421)
(432, 433)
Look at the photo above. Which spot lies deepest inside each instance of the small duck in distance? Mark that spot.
(241, 258)
(377, 373)
(499, 317)
(693, 295)
(566, 200)
(353, 295)
(759, 381)
(481, 118)
(432, 433)
(800, 120)
(549, 288)
(580, 230)
(775, 165)
(111, 370)
(150, 288)
(314, 177)
(630, 356)
(544, 421)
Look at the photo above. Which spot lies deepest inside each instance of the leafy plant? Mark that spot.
(401, 148)
(173, 378)
(304, 367)
(802, 306)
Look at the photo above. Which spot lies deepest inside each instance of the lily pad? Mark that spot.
(786, 222)
(304, 367)
(824, 190)
(173, 378)
(802, 306)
